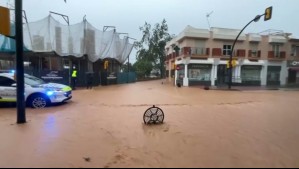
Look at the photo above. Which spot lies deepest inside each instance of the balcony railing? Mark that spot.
(188, 51)
(218, 52)
(276, 55)
(254, 54)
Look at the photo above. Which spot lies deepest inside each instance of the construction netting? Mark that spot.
(49, 35)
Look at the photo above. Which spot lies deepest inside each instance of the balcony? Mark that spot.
(238, 53)
(254, 54)
(276, 55)
(195, 52)
(171, 57)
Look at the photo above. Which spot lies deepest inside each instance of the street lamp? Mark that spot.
(268, 15)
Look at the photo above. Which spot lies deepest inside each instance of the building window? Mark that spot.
(295, 51)
(56, 63)
(66, 64)
(227, 50)
(198, 51)
(254, 49)
(198, 72)
(6, 82)
(276, 50)
(6, 65)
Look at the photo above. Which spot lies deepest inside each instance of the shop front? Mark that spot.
(273, 75)
(200, 74)
(293, 72)
(180, 74)
(251, 75)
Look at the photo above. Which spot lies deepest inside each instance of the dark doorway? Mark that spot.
(221, 75)
(292, 76)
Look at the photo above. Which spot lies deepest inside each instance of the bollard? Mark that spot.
(153, 115)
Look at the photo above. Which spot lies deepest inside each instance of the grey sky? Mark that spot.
(129, 15)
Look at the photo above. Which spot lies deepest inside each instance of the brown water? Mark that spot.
(104, 128)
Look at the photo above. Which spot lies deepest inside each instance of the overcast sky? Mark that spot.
(129, 15)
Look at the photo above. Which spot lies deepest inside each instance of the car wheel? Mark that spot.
(39, 102)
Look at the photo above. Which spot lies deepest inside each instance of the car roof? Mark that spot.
(8, 75)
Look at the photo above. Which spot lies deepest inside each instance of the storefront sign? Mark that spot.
(293, 63)
(112, 76)
(52, 75)
(251, 67)
(199, 66)
(180, 67)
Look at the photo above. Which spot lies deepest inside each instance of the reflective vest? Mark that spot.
(74, 73)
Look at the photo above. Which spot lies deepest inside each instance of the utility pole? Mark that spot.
(21, 112)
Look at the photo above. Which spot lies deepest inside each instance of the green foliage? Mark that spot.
(143, 68)
(150, 50)
(124, 67)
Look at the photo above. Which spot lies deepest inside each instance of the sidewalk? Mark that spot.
(252, 88)
(245, 88)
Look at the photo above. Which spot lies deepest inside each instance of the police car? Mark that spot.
(38, 94)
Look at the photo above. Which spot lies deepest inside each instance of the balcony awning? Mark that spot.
(254, 37)
(277, 39)
(191, 32)
(227, 34)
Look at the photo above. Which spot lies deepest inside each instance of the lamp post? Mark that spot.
(21, 112)
(268, 15)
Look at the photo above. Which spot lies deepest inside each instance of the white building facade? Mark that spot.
(200, 57)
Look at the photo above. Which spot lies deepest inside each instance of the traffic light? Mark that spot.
(5, 21)
(234, 64)
(268, 13)
(106, 64)
(227, 65)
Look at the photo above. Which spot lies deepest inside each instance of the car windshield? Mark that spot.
(33, 81)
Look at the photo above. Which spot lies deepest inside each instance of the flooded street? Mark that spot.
(104, 127)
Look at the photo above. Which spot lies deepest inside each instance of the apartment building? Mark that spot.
(200, 57)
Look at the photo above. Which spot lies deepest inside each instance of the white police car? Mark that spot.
(38, 94)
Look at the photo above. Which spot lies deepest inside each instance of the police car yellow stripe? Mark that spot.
(67, 89)
(8, 100)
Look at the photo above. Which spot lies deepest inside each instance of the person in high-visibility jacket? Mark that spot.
(74, 78)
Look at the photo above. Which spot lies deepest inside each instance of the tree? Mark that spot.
(152, 46)
(143, 68)
(124, 67)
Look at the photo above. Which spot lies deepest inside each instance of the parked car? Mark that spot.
(38, 94)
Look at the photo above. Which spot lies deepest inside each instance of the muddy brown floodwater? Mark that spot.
(103, 127)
